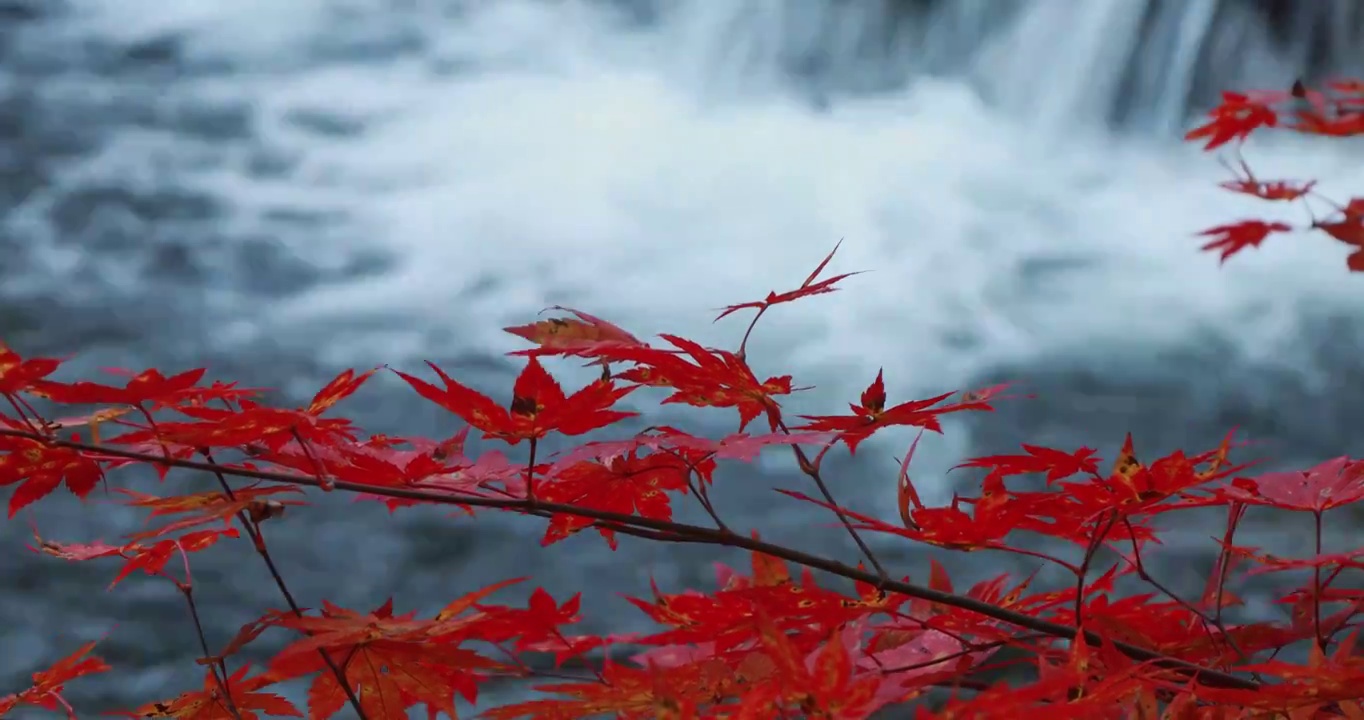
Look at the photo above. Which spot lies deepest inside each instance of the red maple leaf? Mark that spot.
(271, 427)
(1266, 563)
(624, 692)
(389, 663)
(558, 335)
(531, 626)
(538, 405)
(150, 442)
(701, 451)
(217, 390)
(339, 388)
(1349, 230)
(245, 702)
(1306, 688)
(1236, 118)
(1273, 190)
(380, 462)
(47, 687)
(152, 559)
(626, 485)
(146, 386)
(745, 447)
(39, 468)
(714, 378)
(1231, 239)
(871, 415)
(1331, 484)
(806, 289)
(1280, 190)
(253, 424)
(1056, 464)
(20, 375)
(949, 527)
(393, 662)
(149, 559)
(75, 551)
(1132, 490)
(1329, 125)
(205, 507)
(823, 686)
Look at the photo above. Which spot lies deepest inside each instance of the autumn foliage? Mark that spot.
(792, 635)
(1336, 111)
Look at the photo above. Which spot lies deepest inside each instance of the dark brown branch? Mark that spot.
(693, 534)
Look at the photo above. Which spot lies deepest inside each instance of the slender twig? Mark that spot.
(530, 473)
(704, 499)
(526, 671)
(743, 344)
(14, 403)
(811, 470)
(151, 425)
(1316, 585)
(254, 531)
(321, 471)
(219, 666)
(973, 649)
(1208, 622)
(1224, 558)
(698, 487)
(1095, 542)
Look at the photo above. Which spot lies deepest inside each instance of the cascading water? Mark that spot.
(277, 189)
(1137, 62)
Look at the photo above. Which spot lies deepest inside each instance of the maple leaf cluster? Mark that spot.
(1337, 111)
(776, 640)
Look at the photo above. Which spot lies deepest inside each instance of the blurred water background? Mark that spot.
(280, 190)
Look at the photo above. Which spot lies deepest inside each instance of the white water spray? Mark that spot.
(519, 154)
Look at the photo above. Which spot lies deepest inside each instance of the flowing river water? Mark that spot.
(279, 190)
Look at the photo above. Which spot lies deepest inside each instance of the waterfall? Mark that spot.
(1139, 63)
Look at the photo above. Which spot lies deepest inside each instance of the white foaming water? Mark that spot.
(547, 153)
